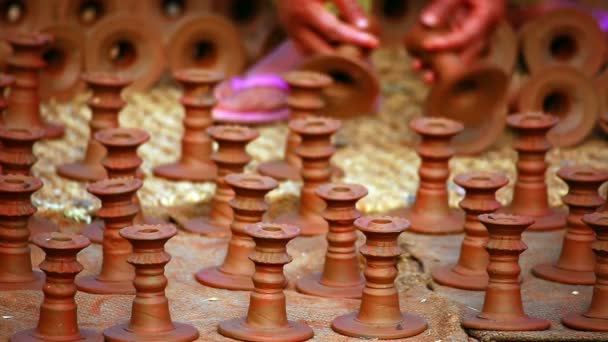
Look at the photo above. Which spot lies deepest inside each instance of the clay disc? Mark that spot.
(60, 79)
(87, 13)
(567, 93)
(601, 84)
(394, 18)
(206, 41)
(502, 49)
(126, 44)
(355, 87)
(567, 36)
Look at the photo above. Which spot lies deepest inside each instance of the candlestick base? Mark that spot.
(349, 325)
(30, 335)
(523, 323)
(34, 284)
(581, 322)
(122, 333)
(94, 231)
(90, 284)
(311, 285)
(82, 172)
(460, 278)
(280, 170)
(310, 225)
(38, 225)
(193, 172)
(239, 329)
(554, 273)
(426, 223)
(53, 131)
(214, 277)
(204, 226)
(555, 220)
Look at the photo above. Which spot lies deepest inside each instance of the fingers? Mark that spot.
(353, 13)
(437, 13)
(473, 50)
(333, 29)
(471, 29)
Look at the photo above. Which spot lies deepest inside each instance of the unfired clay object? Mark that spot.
(503, 307)
(249, 207)
(380, 315)
(17, 152)
(58, 320)
(6, 81)
(341, 276)
(150, 316)
(430, 213)
(469, 273)
(266, 318)
(576, 261)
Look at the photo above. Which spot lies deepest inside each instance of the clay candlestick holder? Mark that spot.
(17, 152)
(117, 212)
(530, 195)
(341, 276)
(150, 316)
(469, 273)
(126, 43)
(380, 315)
(64, 57)
(15, 210)
(564, 36)
(431, 213)
(596, 317)
(463, 91)
(24, 101)
(230, 157)
(355, 87)
(58, 320)
(195, 163)
(249, 207)
(105, 104)
(206, 41)
(305, 99)
(502, 307)
(566, 93)
(121, 161)
(266, 318)
(6, 82)
(576, 261)
(315, 150)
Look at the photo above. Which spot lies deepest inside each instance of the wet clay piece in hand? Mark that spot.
(230, 157)
(596, 316)
(150, 316)
(530, 196)
(58, 320)
(15, 210)
(248, 206)
(380, 315)
(266, 318)
(576, 261)
(503, 307)
(469, 273)
(117, 212)
(430, 213)
(316, 150)
(195, 163)
(25, 65)
(105, 104)
(305, 99)
(341, 276)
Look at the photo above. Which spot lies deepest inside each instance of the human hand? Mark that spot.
(314, 29)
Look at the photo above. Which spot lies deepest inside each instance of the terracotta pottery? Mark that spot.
(355, 87)
(20, 15)
(576, 261)
(503, 307)
(266, 318)
(64, 57)
(87, 13)
(341, 276)
(566, 93)
(128, 44)
(394, 18)
(6, 81)
(58, 319)
(5, 52)
(469, 273)
(150, 316)
(17, 152)
(206, 41)
(195, 163)
(567, 36)
(249, 207)
(502, 48)
(121, 161)
(596, 316)
(25, 65)
(473, 94)
(315, 150)
(305, 99)
(601, 84)
(117, 212)
(430, 213)
(167, 14)
(105, 104)
(380, 315)
(530, 195)
(15, 210)
(230, 157)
